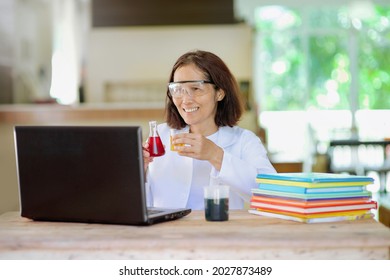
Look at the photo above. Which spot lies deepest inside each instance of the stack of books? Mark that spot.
(312, 197)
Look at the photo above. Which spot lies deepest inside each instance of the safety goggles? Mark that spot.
(192, 88)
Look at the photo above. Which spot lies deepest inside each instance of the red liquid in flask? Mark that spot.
(156, 148)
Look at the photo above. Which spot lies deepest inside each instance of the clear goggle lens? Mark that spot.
(192, 88)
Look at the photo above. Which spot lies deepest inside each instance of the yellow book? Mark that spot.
(310, 220)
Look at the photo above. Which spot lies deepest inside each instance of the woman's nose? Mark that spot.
(186, 95)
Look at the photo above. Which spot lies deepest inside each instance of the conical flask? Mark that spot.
(156, 147)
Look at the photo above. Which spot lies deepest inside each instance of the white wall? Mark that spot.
(147, 54)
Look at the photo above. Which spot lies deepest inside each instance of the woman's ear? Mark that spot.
(220, 94)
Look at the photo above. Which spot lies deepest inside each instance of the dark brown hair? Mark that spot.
(229, 109)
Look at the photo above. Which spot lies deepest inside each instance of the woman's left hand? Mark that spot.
(199, 147)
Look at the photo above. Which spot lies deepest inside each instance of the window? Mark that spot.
(313, 59)
(321, 73)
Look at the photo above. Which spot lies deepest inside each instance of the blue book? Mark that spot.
(296, 189)
(314, 179)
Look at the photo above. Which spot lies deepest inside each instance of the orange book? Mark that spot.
(310, 203)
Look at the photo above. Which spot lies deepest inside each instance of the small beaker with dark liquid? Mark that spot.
(216, 203)
(156, 147)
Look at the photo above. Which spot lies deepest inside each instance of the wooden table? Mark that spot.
(244, 236)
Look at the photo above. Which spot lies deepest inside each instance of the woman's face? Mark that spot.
(197, 110)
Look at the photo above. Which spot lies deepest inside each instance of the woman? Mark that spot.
(203, 96)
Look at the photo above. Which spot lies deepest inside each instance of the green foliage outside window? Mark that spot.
(374, 61)
(306, 58)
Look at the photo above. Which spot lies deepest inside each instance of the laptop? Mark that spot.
(89, 174)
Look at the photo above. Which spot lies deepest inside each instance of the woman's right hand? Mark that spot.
(147, 158)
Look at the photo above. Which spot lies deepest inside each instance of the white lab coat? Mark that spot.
(169, 177)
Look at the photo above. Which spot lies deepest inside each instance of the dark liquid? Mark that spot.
(217, 211)
(156, 148)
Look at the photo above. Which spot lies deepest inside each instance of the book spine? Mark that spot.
(313, 220)
(312, 185)
(313, 210)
